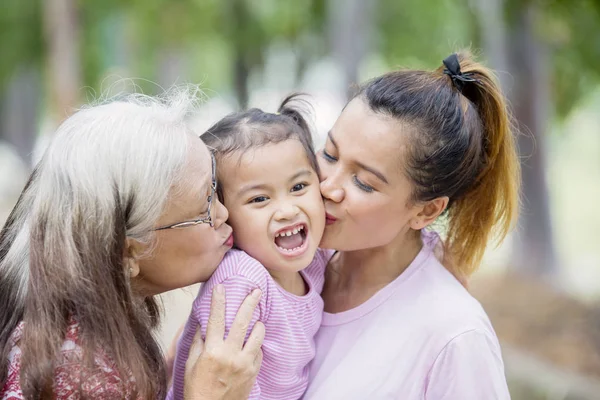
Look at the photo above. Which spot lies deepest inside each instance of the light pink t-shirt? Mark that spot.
(291, 323)
(422, 337)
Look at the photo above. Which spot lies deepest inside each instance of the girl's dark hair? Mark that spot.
(244, 130)
(461, 145)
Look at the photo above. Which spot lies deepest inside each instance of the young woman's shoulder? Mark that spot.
(451, 309)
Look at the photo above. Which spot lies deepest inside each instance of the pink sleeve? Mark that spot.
(237, 288)
(316, 269)
(326, 254)
(470, 367)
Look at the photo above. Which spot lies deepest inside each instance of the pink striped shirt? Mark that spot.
(291, 323)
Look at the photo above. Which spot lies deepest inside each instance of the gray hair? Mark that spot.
(109, 166)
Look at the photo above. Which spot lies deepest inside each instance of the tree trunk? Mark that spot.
(534, 246)
(19, 112)
(494, 36)
(241, 71)
(350, 24)
(241, 37)
(172, 67)
(61, 28)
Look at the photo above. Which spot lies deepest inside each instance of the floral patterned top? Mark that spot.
(72, 380)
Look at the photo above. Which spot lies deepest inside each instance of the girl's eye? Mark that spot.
(328, 157)
(298, 187)
(362, 186)
(259, 199)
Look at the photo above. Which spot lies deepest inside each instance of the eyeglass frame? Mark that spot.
(204, 220)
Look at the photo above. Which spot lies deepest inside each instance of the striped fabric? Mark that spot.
(291, 323)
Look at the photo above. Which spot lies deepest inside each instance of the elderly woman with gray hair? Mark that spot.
(121, 207)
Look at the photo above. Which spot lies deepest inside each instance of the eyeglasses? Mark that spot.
(204, 220)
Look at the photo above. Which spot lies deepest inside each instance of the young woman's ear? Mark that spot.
(429, 213)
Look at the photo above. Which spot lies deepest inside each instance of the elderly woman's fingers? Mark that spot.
(255, 340)
(242, 320)
(256, 364)
(222, 369)
(215, 330)
(258, 360)
(196, 350)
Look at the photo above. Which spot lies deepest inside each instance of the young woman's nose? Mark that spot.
(331, 189)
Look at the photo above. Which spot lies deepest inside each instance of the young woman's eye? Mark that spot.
(328, 157)
(362, 186)
(259, 199)
(298, 187)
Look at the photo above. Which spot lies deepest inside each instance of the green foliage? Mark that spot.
(20, 36)
(421, 33)
(570, 31)
(213, 34)
(93, 18)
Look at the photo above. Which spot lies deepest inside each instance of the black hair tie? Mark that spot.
(453, 70)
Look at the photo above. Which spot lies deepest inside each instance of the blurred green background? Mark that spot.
(541, 287)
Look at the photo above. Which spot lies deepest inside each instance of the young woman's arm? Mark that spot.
(225, 369)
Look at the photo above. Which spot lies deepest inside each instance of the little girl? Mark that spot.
(268, 180)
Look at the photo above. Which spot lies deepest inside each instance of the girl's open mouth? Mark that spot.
(292, 241)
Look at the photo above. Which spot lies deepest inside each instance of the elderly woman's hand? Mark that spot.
(225, 368)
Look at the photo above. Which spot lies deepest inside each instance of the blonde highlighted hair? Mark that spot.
(461, 145)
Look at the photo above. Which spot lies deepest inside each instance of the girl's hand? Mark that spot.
(225, 369)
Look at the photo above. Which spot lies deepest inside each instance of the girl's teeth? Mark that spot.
(289, 250)
(290, 233)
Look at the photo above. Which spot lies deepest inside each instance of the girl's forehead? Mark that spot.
(265, 162)
(269, 154)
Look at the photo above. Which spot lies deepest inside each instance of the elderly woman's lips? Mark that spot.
(229, 241)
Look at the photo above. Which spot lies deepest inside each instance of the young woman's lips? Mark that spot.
(229, 241)
(329, 219)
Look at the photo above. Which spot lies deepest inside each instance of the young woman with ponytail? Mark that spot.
(410, 149)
